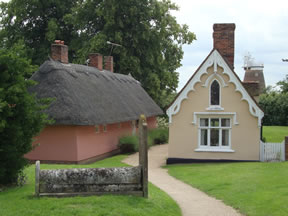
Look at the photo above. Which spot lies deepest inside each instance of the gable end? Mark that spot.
(215, 59)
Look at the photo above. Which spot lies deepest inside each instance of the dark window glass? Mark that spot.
(225, 137)
(214, 122)
(225, 122)
(204, 122)
(204, 135)
(215, 93)
(214, 137)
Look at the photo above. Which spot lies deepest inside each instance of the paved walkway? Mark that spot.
(191, 201)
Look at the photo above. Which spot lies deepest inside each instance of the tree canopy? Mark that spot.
(283, 84)
(37, 23)
(275, 104)
(20, 113)
(151, 39)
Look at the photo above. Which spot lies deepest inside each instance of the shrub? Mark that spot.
(21, 116)
(159, 135)
(130, 144)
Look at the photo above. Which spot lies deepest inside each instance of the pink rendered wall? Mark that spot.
(90, 143)
(76, 143)
(57, 143)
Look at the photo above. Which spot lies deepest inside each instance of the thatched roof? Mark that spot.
(86, 96)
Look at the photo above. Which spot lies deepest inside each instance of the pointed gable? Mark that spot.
(214, 60)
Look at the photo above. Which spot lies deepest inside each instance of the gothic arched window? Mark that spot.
(215, 93)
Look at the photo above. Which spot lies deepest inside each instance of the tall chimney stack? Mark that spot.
(108, 63)
(223, 37)
(96, 60)
(59, 51)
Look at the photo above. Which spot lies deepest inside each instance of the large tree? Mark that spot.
(20, 113)
(38, 23)
(275, 104)
(150, 37)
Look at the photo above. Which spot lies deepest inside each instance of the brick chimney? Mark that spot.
(223, 37)
(108, 63)
(96, 60)
(59, 51)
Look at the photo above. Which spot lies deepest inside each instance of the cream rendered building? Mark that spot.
(214, 118)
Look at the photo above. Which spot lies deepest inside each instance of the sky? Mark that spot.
(261, 30)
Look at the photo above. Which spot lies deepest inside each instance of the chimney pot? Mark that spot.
(223, 40)
(108, 63)
(59, 51)
(96, 60)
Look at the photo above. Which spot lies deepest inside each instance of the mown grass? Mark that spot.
(21, 200)
(255, 189)
(275, 133)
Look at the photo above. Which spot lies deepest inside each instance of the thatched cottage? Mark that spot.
(93, 107)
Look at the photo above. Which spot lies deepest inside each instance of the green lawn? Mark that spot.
(255, 189)
(20, 200)
(275, 133)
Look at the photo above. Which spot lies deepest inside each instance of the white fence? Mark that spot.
(272, 151)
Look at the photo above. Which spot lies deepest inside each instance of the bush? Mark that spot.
(159, 136)
(21, 116)
(130, 144)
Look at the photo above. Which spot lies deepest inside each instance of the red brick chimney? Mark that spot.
(96, 60)
(108, 63)
(59, 51)
(223, 37)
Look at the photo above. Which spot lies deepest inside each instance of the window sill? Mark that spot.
(214, 108)
(213, 150)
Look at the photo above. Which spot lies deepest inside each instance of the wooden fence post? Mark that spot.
(143, 153)
(37, 176)
(286, 148)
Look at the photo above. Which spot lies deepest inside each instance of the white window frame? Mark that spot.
(210, 148)
(215, 107)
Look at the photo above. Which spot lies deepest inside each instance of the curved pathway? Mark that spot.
(191, 200)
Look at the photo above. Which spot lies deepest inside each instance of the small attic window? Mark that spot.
(104, 128)
(97, 129)
(215, 93)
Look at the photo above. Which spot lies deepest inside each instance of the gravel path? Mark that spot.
(190, 200)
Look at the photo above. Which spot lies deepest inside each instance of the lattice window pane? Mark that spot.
(215, 93)
(214, 137)
(204, 137)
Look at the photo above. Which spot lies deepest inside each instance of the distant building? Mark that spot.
(254, 81)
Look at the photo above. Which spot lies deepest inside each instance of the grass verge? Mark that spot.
(255, 189)
(21, 200)
(275, 133)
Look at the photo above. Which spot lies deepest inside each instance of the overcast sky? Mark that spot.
(261, 29)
